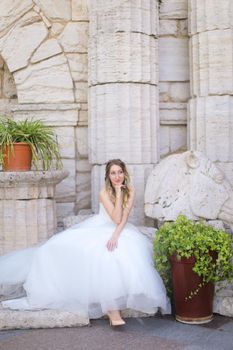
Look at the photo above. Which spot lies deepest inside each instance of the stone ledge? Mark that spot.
(12, 319)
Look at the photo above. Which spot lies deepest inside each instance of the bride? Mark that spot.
(99, 266)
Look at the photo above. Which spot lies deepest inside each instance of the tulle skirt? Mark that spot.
(74, 271)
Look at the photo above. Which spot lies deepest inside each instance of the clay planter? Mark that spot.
(199, 309)
(18, 159)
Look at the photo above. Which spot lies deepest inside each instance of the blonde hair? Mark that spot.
(108, 185)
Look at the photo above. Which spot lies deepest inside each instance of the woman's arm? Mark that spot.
(114, 211)
(112, 243)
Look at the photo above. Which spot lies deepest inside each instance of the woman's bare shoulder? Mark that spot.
(103, 193)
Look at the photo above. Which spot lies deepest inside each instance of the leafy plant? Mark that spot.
(187, 238)
(39, 136)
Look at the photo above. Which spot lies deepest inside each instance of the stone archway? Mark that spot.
(44, 47)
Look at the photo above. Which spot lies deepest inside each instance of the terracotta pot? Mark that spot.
(199, 309)
(19, 159)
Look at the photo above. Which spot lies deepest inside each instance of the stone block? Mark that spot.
(47, 49)
(14, 319)
(209, 15)
(63, 210)
(82, 142)
(137, 62)
(66, 141)
(173, 113)
(79, 10)
(173, 52)
(174, 92)
(83, 190)
(74, 37)
(168, 27)
(83, 165)
(212, 63)
(123, 123)
(17, 56)
(48, 81)
(108, 17)
(57, 28)
(172, 138)
(12, 10)
(8, 88)
(174, 9)
(207, 133)
(81, 91)
(54, 114)
(66, 191)
(55, 9)
(78, 66)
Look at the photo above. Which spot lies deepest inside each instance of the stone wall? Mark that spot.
(174, 75)
(43, 62)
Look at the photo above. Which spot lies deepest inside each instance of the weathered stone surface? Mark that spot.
(57, 28)
(66, 141)
(74, 37)
(173, 138)
(173, 9)
(123, 123)
(79, 10)
(223, 306)
(189, 183)
(178, 28)
(212, 63)
(173, 113)
(45, 82)
(8, 84)
(81, 91)
(174, 92)
(56, 114)
(10, 319)
(127, 16)
(66, 191)
(47, 49)
(27, 202)
(82, 142)
(12, 10)
(210, 15)
(55, 9)
(17, 47)
(83, 190)
(64, 210)
(78, 66)
(173, 52)
(138, 59)
(210, 125)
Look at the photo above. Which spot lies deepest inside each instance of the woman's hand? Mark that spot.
(112, 243)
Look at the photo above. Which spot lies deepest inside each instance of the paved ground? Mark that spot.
(158, 333)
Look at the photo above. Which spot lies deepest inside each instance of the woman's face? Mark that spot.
(116, 175)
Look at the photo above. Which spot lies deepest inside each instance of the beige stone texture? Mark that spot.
(17, 47)
(27, 202)
(74, 37)
(57, 28)
(79, 10)
(64, 209)
(174, 9)
(8, 84)
(66, 141)
(13, 319)
(12, 10)
(174, 92)
(83, 190)
(123, 123)
(173, 138)
(78, 66)
(82, 142)
(55, 9)
(173, 53)
(137, 60)
(47, 49)
(57, 114)
(210, 126)
(81, 92)
(48, 81)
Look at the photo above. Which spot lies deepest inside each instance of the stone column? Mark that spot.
(123, 91)
(210, 107)
(27, 207)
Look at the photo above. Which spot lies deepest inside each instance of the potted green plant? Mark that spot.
(30, 140)
(190, 257)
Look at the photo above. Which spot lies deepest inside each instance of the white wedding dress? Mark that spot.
(74, 271)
